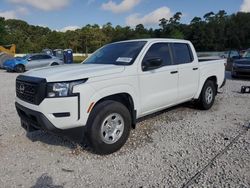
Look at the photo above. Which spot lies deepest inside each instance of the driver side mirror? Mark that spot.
(151, 64)
(29, 59)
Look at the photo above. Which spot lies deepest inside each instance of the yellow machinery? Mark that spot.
(7, 52)
(8, 49)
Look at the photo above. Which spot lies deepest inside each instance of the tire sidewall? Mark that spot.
(19, 68)
(54, 64)
(204, 103)
(97, 116)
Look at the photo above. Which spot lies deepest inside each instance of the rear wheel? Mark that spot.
(207, 96)
(19, 68)
(108, 127)
(234, 76)
(54, 64)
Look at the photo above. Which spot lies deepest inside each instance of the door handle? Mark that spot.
(196, 68)
(174, 72)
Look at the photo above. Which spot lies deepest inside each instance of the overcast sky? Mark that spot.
(71, 14)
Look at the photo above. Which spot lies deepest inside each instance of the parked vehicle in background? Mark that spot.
(100, 99)
(242, 52)
(31, 61)
(230, 55)
(65, 55)
(241, 67)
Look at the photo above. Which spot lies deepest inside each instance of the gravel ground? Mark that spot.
(166, 149)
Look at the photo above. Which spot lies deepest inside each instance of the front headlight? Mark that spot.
(58, 89)
(62, 89)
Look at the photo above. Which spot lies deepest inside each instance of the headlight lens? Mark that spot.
(58, 89)
(62, 89)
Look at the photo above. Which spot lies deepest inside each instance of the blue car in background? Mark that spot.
(31, 61)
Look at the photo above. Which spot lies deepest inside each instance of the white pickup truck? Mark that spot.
(101, 99)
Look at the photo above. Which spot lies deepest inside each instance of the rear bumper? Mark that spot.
(32, 120)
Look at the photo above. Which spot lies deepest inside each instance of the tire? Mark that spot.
(54, 64)
(234, 76)
(98, 131)
(19, 68)
(207, 96)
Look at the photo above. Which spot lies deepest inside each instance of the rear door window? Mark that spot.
(45, 57)
(35, 57)
(159, 50)
(182, 53)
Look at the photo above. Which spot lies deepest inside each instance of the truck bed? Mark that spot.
(209, 58)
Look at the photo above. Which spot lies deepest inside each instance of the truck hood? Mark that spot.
(74, 72)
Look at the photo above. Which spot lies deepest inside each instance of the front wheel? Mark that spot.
(108, 127)
(19, 68)
(207, 95)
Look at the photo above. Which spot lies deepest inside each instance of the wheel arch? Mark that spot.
(54, 63)
(212, 78)
(126, 99)
(20, 64)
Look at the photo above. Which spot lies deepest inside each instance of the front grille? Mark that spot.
(244, 67)
(26, 91)
(30, 89)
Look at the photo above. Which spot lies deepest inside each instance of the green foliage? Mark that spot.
(79, 59)
(215, 31)
(2, 30)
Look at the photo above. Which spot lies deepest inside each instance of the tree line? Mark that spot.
(212, 32)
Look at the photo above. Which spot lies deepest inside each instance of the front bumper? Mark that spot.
(8, 68)
(241, 71)
(32, 120)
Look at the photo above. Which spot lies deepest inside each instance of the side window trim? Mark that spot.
(190, 53)
(172, 53)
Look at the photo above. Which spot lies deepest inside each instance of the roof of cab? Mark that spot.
(155, 40)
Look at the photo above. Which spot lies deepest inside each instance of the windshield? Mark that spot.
(123, 53)
(25, 57)
(246, 54)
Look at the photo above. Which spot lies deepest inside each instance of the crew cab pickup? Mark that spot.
(100, 100)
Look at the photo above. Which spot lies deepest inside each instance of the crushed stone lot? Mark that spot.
(166, 149)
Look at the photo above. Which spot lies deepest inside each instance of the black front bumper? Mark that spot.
(32, 120)
(241, 71)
